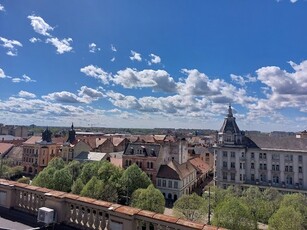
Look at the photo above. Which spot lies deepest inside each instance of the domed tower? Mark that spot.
(46, 135)
(230, 133)
(71, 134)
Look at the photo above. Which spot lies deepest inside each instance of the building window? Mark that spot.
(175, 184)
(252, 165)
(159, 182)
(264, 155)
(286, 168)
(300, 169)
(275, 156)
(290, 168)
(289, 157)
(163, 183)
(262, 178)
(243, 155)
(232, 165)
(242, 166)
(260, 155)
(148, 165)
(232, 176)
(275, 179)
(252, 155)
(260, 166)
(224, 153)
(300, 158)
(151, 165)
(252, 177)
(170, 184)
(300, 181)
(224, 175)
(277, 167)
(264, 167)
(289, 180)
(232, 154)
(273, 167)
(224, 164)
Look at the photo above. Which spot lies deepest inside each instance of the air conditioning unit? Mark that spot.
(45, 215)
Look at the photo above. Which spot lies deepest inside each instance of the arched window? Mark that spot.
(127, 163)
(151, 165)
(175, 197)
(30, 170)
(169, 196)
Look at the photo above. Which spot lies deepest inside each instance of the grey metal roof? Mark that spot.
(276, 143)
(142, 149)
(91, 156)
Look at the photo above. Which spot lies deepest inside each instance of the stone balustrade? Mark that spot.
(86, 213)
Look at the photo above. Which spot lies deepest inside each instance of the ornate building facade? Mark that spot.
(260, 159)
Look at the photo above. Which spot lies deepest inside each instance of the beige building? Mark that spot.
(262, 160)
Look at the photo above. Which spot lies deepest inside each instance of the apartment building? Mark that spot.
(261, 159)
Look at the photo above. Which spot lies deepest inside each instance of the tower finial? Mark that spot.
(72, 125)
(230, 110)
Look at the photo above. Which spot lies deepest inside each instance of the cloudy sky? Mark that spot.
(145, 64)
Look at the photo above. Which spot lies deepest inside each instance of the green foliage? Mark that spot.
(62, 180)
(25, 180)
(89, 170)
(77, 186)
(57, 163)
(287, 218)
(191, 207)
(93, 188)
(233, 214)
(45, 178)
(75, 169)
(134, 178)
(150, 199)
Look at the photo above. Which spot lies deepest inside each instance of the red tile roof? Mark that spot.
(5, 147)
(200, 165)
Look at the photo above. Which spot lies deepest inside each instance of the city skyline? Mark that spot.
(154, 64)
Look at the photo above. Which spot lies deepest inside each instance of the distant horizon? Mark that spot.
(154, 63)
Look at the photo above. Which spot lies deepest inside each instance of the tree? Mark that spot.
(191, 207)
(89, 170)
(57, 163)
(93, 188)
(150, 199)
(63, 180)
(134, 178)
(45, 178)
(233, 214)
(286, 218)
(77, 186)
(25, 180)
(75, 169)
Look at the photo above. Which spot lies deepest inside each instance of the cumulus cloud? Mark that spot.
(159, 80)
(122, 101)
(154, 59)
(2, 74)
(293, 1)
(242, 80)
(112, 59)
(62, 46)
(39, 25)
(113, 48)
(93, 48)
(24, 78)
(34, 40)
(96, 72)
(135, 56)
(10, 45)
(25, 94)
(64, 97)
(2, 8)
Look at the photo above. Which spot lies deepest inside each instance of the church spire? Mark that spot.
(72, 126)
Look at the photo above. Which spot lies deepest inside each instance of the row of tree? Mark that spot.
(102, 180)
(236, 209)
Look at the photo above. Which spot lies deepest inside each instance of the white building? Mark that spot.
(262, 160)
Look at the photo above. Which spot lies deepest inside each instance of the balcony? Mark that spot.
(86, 213)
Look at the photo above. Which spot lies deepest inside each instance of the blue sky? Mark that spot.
(148, 64)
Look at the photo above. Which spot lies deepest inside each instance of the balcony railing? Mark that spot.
(86, 213)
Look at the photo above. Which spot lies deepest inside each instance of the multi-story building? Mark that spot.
(262, 160)
(38, 151)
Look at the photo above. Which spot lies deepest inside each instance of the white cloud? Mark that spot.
(135, 56)
(93, 48)
(113, 48)
(62, 46)
(34, 40)
(96, 72)
(24, 78)
(2, 74)
(10, 45)
(2, 8)
(159, 80)
(26, 94)
(242, 80)
(293, 1)
(39, 25)
(155, 59)
(112, 59)
(64, 97)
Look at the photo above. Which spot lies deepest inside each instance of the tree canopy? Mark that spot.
(150, 199)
